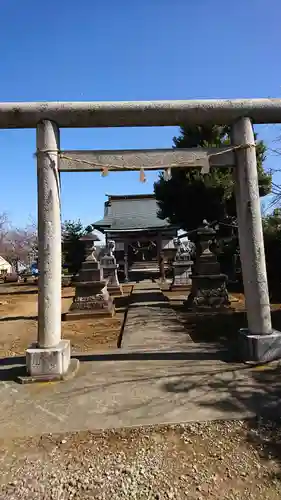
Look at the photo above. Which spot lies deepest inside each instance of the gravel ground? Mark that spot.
(218, 460)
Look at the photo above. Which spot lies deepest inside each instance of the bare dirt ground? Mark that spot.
(18, 322)
(218, 460)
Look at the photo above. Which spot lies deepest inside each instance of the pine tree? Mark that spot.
(189, 197)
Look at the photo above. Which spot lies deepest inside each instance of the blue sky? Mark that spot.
(126, 50)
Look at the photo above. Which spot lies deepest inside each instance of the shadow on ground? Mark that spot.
(219, 328)
(150, 297)
(10, 366)
(253, 389)
(156, 304)
(12, 371)
(18, 318)
(18, 292)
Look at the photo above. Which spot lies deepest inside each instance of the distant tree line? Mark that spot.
(17, 245)
(20, 245)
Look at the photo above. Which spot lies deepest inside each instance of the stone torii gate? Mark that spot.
(50, 356)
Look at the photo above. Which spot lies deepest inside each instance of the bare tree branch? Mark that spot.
(17, 244)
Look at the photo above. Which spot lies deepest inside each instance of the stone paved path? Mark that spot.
(151, 322)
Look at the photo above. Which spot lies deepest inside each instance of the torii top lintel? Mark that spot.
(139, 113)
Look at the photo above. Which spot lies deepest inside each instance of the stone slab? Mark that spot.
(115, 290)
(259, 348)
(88, 313)
(72, 371)
(51, 361)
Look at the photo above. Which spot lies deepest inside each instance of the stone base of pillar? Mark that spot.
(52, 363)
(259, 348)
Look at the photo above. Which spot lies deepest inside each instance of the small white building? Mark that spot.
(5, 267)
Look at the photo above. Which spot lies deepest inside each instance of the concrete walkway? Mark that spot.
(159, 376)
(130, 389)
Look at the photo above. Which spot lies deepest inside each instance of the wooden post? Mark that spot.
(160, 256)
(126, 269)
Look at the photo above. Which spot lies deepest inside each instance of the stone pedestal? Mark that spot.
(181, 275)
(208, 288)
(109, 269)
(91, 294)
(208, 291)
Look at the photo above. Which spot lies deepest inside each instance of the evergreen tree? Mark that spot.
(72, 247)
(189, 197)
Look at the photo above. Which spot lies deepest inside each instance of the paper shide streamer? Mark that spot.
(142, 175)
(104, 172)
(167, 174)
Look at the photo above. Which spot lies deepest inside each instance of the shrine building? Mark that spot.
(142, 239)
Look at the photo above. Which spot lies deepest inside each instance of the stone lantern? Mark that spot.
(91, 294)
(208, 288)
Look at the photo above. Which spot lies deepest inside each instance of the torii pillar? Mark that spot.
(259, 342)
(49, 358)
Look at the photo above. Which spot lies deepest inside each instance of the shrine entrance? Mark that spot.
(51, 355)
(142, 250)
